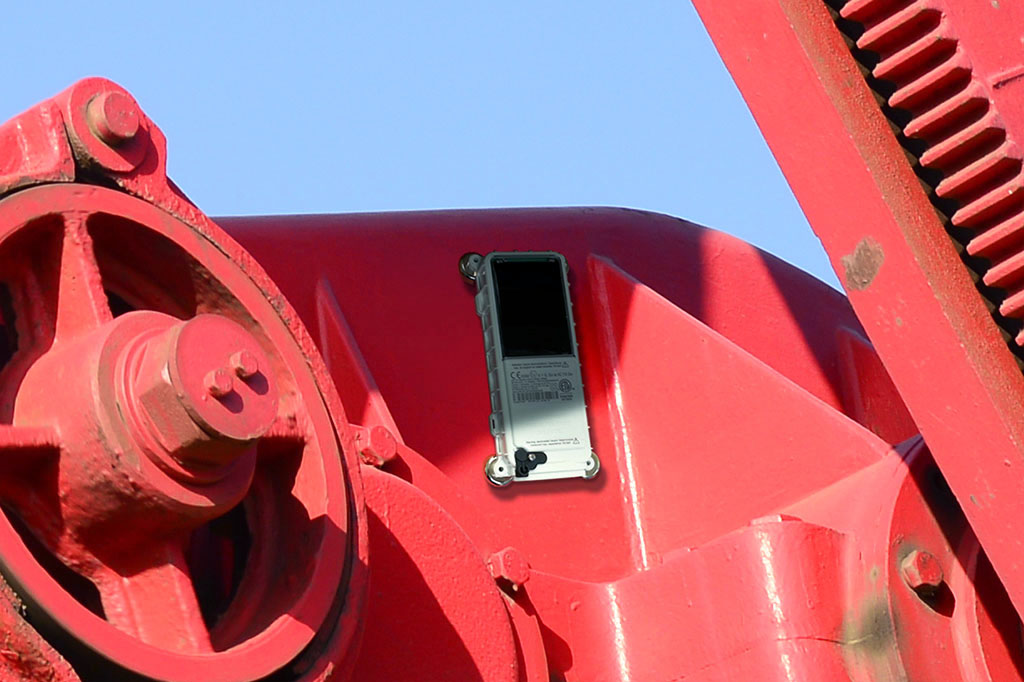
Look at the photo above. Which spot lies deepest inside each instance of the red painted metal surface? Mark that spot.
(695, 267)
(938, 64)
(766, 521)
(190, 492)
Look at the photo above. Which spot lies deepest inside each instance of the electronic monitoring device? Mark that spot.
(538, 413)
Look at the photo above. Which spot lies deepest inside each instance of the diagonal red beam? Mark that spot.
(901, 270)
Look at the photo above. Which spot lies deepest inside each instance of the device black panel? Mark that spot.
(532, 312)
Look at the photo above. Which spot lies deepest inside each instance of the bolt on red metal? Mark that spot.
(509, 564)
(922, 572)
(377, 446)
(244, 363)
(218, 383)
(174, 385)
(112, 117)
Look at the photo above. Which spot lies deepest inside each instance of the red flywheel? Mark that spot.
(177, 501)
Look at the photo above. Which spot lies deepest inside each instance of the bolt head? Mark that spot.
(377, 446)
(469, 265)
(509, 564)
(200, 415)
(159, 399)
(113, 117)
(244, 363)
(922, 572)
(218, 383)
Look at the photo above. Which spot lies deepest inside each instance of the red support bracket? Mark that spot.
(914, 295)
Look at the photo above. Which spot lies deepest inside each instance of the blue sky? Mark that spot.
(387, 105)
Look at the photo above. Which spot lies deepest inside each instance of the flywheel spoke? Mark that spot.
(288, 433)
(23, 447)
(287, 427)
(81, 300)
(156, 603)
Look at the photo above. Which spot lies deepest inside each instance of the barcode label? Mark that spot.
(533, 396)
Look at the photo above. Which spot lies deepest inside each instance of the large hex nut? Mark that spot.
(205, 390)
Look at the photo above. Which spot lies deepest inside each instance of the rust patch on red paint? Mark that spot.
(863, 264)
(24, 654)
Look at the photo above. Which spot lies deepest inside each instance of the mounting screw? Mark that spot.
(509, 564)
(469, 265)
(922, 572)
(244, 364)
(376, 445)
(218, 383)
(499, 470)
(113, 117)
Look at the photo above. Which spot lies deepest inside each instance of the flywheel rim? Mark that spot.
(279, 640)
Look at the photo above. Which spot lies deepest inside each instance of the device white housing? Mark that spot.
(537, 402)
